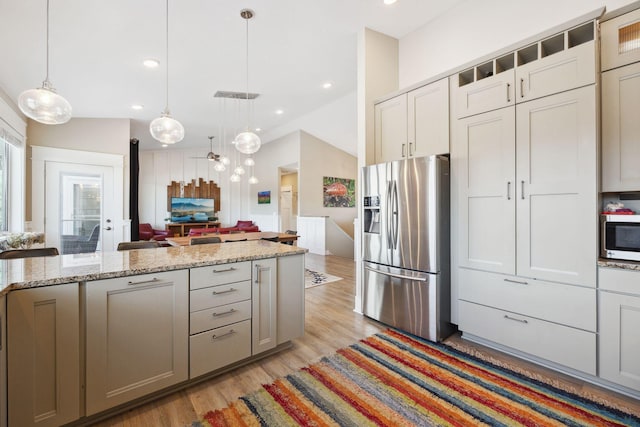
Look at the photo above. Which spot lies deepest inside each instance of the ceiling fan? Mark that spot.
(210, 155)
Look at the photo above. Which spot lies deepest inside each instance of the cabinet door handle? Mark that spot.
(233, 310)
(515, 320)
(402, 150)
(259, 268)
(508, 190)
(225, 270)
(516, 281)
(410, 152)
(522, 190)
(154, 280)
(215, 337)
(508, 92)
(224, 292)
(521, 88)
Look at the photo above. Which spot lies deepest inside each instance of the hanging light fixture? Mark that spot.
(247, 142)
(165, 128)
(43, 104)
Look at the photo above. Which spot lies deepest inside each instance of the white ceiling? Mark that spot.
(97, 48)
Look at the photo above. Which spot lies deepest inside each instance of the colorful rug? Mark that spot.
(315, 278)
(394, 379)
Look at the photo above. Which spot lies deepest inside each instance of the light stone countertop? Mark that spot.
(621, 264)
(55, 270)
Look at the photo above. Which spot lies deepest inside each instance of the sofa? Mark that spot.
(241, 226)
(147, 232)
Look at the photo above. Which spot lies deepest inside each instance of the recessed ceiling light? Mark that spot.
(327, 85)
(279, 112)
(389, 1)
(137, 106)
(258, 129)
(164, 145)
(151, 63)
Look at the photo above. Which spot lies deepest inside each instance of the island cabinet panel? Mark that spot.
(3, 362)
(136, 337)
(265, 305)
(43, 328)
(290, 298)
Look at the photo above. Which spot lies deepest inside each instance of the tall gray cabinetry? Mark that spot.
(525, 145)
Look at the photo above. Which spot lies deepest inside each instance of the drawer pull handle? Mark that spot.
(233, 310)
(516, 320)
(154, 280)
(225, 270)
(215, 337)
(224, 292)
(516, 281)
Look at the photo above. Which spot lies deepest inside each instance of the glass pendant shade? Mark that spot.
(239, 170)
(44, 105)
(247, 142)
(234, 178)
(225, 160)
(219, 167)
(249, 162)
(166, 129)
(253, 180)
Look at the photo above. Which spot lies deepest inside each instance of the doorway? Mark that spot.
(288, 200)
(78, 202)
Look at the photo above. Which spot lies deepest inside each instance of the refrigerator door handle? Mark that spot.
(389, 231)
(395, 215)
(398, 276)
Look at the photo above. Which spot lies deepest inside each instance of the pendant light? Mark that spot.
(165, 128)
(43, 104)
(247, 142)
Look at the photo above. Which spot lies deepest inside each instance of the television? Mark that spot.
(192, 209)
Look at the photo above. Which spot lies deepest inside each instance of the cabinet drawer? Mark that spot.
(211, 318)
(566, 346)
(215, 296)
(617, 38)
(177, 276)
(220, 347)
(202, 277)
(569, 305)
(619, 280)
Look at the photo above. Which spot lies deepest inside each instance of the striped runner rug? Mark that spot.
(395, 379)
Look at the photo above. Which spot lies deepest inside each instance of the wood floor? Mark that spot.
(330, 324)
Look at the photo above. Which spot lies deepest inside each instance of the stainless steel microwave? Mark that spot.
(620, 237)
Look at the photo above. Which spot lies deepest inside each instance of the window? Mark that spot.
(4, 184)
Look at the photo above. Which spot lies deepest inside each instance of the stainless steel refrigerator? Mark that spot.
(406, 245)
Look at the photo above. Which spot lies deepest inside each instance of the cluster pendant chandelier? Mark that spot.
(247, 142)
(165, 128)
(43, 104)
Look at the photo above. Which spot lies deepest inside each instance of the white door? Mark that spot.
(286, 206)
(79, 208)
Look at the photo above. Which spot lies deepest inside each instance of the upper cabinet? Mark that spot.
(413, 124)
(620, 56)
(620, 40)
(561, 62)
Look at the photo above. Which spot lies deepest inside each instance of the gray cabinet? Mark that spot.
(620, 40)
(220, 316)
(136, 337)
(43, 327)
(413, 124)
(264, 295)
(619, 322)
(621, 129)
(290, 298)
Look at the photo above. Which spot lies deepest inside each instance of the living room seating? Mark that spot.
(241, 226)
(147, 232)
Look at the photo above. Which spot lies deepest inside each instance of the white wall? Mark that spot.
(334, 123)
(97, 135)
(476, 28)
(317, 160)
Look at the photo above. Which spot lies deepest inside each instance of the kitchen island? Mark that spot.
(88, 335)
